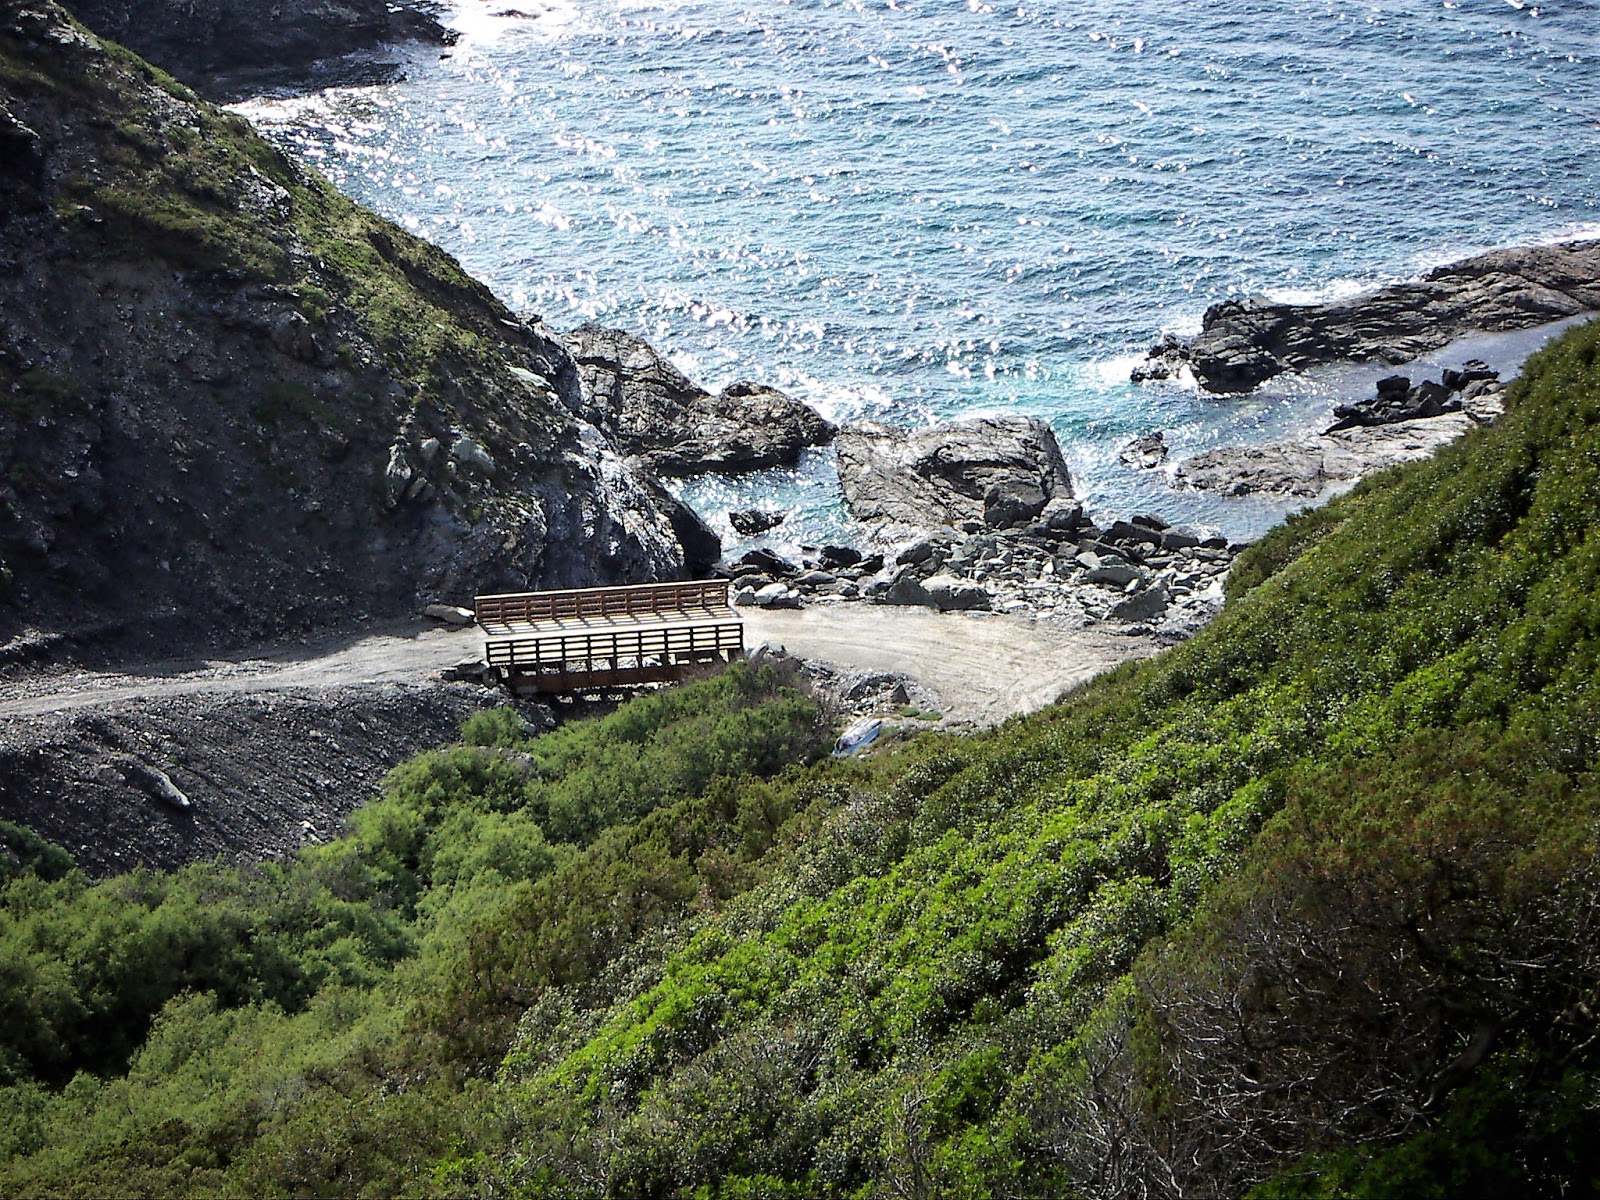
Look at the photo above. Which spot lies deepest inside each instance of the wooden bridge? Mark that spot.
(568, 641)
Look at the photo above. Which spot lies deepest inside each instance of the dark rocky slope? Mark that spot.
(233, 403)
(1245, 342)
(214, 45)
(264, 774)
(650, 409)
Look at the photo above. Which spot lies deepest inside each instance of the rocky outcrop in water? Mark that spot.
(217, 45)
(233, 403)
(649, 408)
(996, 472)
(1243, 343)
(1400, 424)
(1397, 400)
(1316, 464)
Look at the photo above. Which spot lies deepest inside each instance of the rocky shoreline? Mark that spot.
(1243, 343)
(978, 516)
(227, 48)
(1400, 424)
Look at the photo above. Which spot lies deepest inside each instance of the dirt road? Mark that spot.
(409, 653)
(980, 667)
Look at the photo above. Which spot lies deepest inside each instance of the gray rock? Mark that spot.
(1128, 531)
(816, 579)
(396, 475)
(751, 521)
(777, 595)
(906, 588)
(767, 561)
(920, 551)
(650, 409)
(450, 614)
(834, 558)
(470, 455)
(1012, 503)
(1061, 514)
(1310, 466)
(1113, 575)
(1147, 452)
(1242, 343)
(950, 593)
(1427, 399)
(468, 670)
(988, 471)
(153, 781)
(1143, 605)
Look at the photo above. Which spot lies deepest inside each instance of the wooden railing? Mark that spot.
(561, 641)
(651, 600)
(535, 651)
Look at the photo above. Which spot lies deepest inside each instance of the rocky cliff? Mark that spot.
(211, 45)
(233, 403)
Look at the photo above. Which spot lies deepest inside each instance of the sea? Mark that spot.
(919, 210)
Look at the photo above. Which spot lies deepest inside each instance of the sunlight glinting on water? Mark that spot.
(917, 210)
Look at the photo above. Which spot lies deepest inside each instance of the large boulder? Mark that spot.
(1244, 342)
(649, 408)
(999, 471)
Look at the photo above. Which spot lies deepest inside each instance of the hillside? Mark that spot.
(1307, 906)
(234, 403)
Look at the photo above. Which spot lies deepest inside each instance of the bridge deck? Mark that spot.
(564, 641)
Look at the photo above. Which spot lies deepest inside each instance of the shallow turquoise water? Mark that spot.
(916, 210)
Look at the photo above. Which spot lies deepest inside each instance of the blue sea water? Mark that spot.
(920, 209)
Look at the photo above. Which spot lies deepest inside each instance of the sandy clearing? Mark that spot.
(980, 667)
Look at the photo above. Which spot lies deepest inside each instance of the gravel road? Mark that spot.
(981, 667)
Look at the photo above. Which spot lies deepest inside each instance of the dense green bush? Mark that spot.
(272, 1029)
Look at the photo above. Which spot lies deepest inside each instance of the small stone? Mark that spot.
(468, 454)
(450, 614)
(468, 670)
